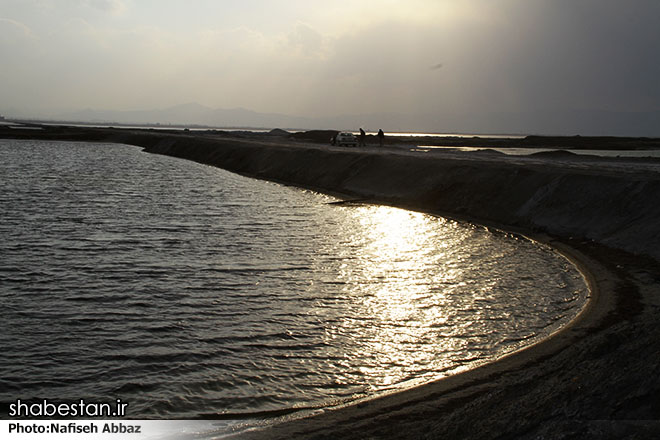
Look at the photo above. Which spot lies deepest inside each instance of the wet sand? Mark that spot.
(599, 377)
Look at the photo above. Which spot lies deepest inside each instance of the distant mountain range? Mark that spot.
(197, 114)
(190, 114)
(542, 122)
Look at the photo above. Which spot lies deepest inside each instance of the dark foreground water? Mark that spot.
(186, 290)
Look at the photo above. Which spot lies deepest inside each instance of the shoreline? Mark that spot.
(294, 423)
(369, 417)
(599, 376)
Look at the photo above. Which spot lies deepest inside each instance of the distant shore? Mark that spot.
(92, 132)
(597, 378)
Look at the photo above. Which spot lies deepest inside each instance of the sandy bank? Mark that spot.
(598, 378)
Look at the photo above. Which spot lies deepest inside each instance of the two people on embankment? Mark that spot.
(346, 138)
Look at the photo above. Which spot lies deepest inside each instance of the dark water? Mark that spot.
(186, 290)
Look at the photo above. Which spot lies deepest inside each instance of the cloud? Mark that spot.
(12, 29)
(424, 57)
(306, 40)
(111, 6)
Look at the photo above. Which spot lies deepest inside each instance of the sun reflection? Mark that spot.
(419, 296)
(402, 257)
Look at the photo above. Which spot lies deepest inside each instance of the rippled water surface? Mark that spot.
(186, 290)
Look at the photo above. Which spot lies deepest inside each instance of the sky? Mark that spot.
(441, 61)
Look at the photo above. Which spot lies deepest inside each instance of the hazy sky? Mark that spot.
(317, 58)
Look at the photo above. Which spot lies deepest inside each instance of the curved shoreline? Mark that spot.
(524, 394)
(360, 419)
(598, 377)
(269, 428)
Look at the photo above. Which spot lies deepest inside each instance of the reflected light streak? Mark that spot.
(422, 297)
(399, 254)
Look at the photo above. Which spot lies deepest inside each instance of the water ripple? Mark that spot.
(186, 290)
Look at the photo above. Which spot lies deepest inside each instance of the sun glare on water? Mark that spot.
(394, 251)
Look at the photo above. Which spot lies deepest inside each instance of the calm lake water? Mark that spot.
(530, 151)
(186, 290)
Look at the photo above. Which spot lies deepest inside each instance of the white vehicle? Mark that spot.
(347, 139)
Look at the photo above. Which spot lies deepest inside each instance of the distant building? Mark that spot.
(2, 118)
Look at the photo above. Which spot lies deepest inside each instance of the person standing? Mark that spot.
(381, 137)
(363, 136)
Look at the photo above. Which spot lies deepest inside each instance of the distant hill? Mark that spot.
(197, 114)
(587, 122)
(190, 114)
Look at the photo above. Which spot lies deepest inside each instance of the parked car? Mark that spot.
(346, 139)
